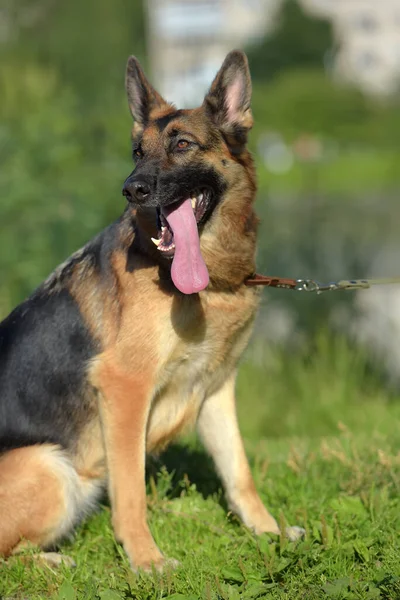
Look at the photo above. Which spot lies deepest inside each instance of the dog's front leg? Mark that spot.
(124, 407)
(219, 430)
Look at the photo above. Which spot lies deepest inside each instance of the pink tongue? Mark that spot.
(189, 272)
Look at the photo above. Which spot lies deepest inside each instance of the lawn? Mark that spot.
(322, 433)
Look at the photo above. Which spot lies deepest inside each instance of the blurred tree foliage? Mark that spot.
(86, 42)
(308, 101)
(64, 130)
(297, 40)
(54, 193)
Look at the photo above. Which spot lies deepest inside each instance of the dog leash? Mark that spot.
(310, 285)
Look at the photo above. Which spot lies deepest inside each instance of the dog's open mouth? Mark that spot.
(178, 238)
(200, 201)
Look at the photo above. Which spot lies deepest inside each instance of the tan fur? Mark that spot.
(90, 458)
(41, 497)
(218, 428)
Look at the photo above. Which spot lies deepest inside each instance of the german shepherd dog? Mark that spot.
(139, 333)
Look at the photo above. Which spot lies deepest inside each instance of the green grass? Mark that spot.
(323, 438)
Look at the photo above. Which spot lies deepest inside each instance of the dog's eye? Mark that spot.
(182, 144)
(138, 153)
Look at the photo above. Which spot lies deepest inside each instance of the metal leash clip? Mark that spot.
(309, 285)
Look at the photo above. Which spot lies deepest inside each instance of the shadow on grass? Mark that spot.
(186, 465)
(183, 466)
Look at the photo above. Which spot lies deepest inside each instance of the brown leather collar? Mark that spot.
(278, 282)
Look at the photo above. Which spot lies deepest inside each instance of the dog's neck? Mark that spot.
(229, 244)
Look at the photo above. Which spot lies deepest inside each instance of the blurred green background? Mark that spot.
(328, 165)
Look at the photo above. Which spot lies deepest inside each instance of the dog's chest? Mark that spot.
(200, 344)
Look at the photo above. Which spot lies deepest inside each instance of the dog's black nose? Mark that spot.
(136, 191)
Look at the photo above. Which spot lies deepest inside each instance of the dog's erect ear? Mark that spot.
(142, 97)
(228, 101)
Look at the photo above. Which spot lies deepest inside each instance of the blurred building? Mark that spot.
(368, 38)
(188, 40)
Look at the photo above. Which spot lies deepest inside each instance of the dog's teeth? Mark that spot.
(193, 200)
(200, 196)
(167, 248)
(156, 242)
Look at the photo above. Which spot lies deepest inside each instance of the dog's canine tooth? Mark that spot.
(156, 242)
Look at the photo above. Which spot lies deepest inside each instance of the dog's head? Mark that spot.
(186, 160)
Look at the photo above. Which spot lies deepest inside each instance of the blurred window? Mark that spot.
(184, 20)
(367, 60)
(366, 23)
(253, 4)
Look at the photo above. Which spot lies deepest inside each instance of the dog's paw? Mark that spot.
(169, 564)
(54, 559)
(295, 533)
(160, 566)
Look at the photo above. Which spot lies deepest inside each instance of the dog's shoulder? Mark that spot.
(92, 258)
